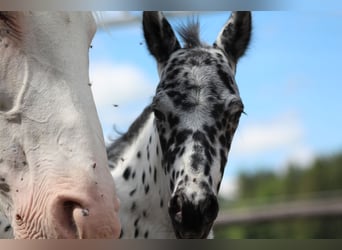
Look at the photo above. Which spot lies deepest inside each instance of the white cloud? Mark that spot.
(123, 85)
(275, 143)
(229, 187)
(301, 155)
(259, 137)
(118, 84)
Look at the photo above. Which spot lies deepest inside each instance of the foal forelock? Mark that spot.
(190, 33)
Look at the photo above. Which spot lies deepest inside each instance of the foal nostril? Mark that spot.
(175, 208)
(191, 219)
(209, 208)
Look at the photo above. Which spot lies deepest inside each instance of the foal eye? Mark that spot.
(159, 115)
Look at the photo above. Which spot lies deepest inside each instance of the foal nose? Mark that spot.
(193, 219)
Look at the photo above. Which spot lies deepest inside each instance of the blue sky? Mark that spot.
(289, 82)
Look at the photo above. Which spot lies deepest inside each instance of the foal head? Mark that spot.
(197, 108)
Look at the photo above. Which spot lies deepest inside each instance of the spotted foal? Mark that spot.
(169, 165)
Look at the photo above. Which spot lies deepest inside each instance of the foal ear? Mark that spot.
(235, 35)
(159, 36)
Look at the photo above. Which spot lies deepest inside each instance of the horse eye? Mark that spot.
(159, 115)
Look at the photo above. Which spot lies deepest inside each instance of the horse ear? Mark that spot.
(235, 35)
(159, 36)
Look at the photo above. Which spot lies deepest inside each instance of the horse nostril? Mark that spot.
(68, 215)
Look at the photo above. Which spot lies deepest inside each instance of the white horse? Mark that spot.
(54, 176)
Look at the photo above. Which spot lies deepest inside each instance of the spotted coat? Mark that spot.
(169, 165)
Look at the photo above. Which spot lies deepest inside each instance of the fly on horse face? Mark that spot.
(169, 165)
(54, 176)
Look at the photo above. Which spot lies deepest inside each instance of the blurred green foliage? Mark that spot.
(321, 179)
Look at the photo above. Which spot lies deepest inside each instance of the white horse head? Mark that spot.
(54, 176)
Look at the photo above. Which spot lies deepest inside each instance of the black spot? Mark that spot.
(207, 61)
(217, 111)
(157, 150)
(136, 233)
(182, 136)
(182, 152)
(173, 174)
(150, 169)
(206, 169)
(172, 93)
(222, 140)
(155, 175)
(148, 154)
(133, 207)
(223, 161)
(136, 221)
(227, 80)
(218, 125)
(150, 139)
(211, 132)
(144, 214)
(139, 154)
(121, 233)
(219, 55)
(172, 74)
(161, 203)
(126, 174)
(204, 186)
(194, 62)
(170, 85)
(186, 178)
(173, 120)
(132, 192)
(228, 139)
(7, 228)
(201, 138)
(174, 61)
(196, 160)
(163, 143)
(208, 155)
(147, 188)
(143, 177)
(133, 175)
(171, 185)
(176, 150)
(146, 235)
(181, 61)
